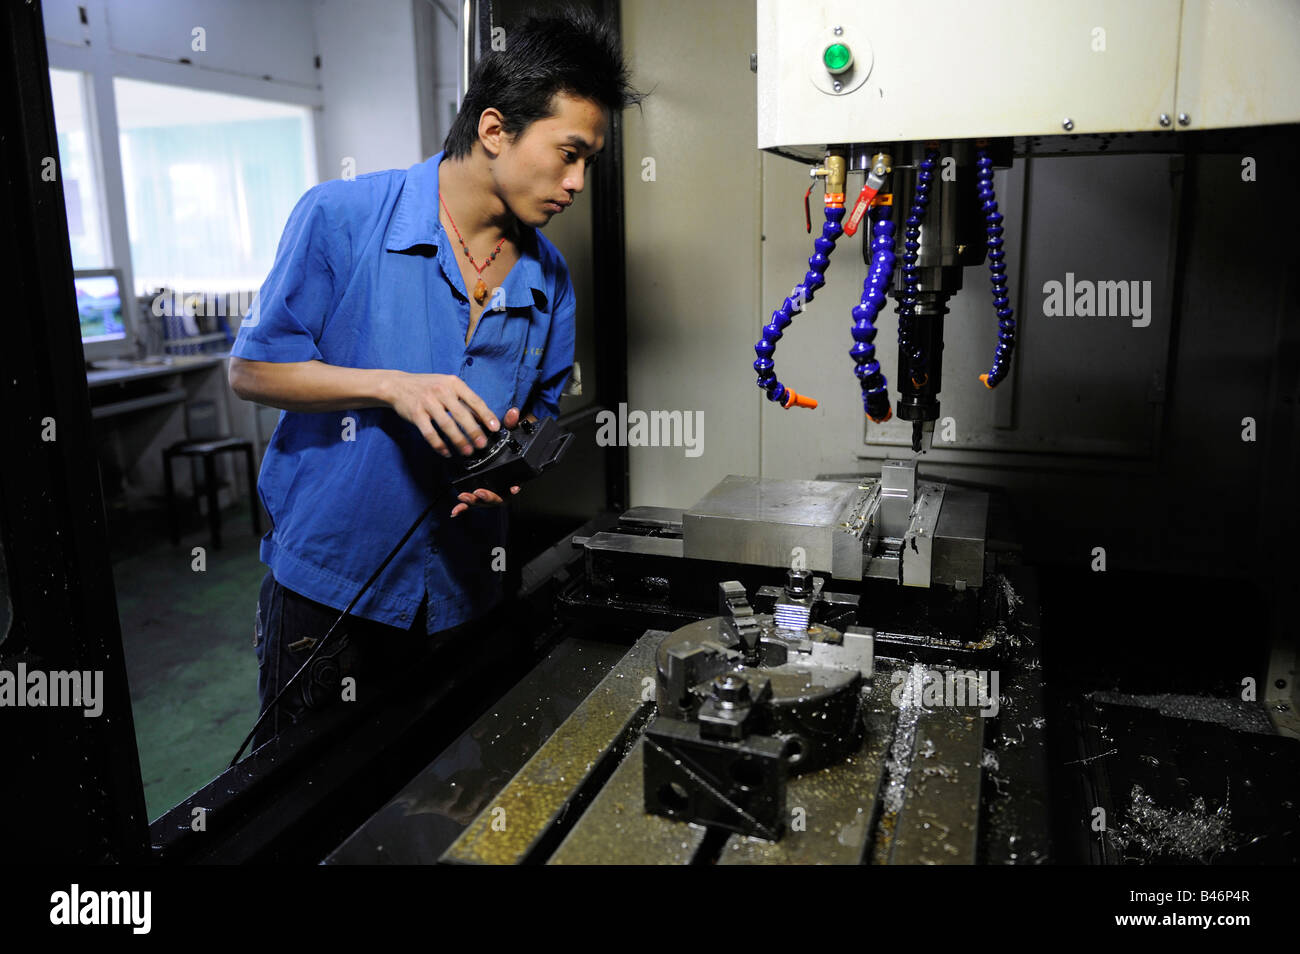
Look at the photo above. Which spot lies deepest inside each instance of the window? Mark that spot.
(210, 180)
(79, 168)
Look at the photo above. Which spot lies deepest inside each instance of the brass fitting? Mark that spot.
(837, 165)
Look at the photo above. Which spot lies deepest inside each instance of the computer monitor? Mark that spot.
(104, 308)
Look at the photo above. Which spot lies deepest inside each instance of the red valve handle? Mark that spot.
(859, 209)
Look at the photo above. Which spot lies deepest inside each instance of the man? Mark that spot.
(408, 315)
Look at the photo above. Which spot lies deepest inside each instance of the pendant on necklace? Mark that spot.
(480, 291)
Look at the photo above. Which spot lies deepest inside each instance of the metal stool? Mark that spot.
(208, 450)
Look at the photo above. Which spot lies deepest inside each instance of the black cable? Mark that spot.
(330, 632)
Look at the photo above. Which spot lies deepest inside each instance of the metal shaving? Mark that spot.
(899, 760)
(1196, 834)
(997, 635)
(1009, 594)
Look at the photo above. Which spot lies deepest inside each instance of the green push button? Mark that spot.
(837, 58)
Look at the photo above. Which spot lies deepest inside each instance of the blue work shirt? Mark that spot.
(366, 277)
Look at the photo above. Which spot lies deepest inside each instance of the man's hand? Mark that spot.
(481, 496)
(446, 401)
(423, 399)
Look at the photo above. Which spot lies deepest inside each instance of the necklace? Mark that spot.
(481, 289)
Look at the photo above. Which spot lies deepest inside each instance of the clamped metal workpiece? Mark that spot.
(511, 457)
(748, 699)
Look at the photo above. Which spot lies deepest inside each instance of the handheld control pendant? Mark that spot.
(511, 457)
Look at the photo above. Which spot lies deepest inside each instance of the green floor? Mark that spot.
(188, 639)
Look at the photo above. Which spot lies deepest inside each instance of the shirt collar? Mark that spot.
(415, 222)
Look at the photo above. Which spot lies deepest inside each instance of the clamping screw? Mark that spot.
(731, 690)
(798, 583)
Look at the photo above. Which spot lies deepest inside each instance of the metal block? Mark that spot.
(690, 664)
(853, 540)
(653, 518)
(885, 566)
(837, 804)
(960, 538)
(736, 785)
(897, 495)
(918, 542)
(760, 521)
(856, 651)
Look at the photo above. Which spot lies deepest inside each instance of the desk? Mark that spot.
(104, 381)
(152, 368)
(138, 409)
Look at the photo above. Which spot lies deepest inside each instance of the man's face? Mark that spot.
(540, 171)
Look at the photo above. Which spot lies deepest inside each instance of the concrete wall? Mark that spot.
(436, 57)
(369, 86)
(693, 239)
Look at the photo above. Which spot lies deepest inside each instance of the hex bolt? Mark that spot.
(730, 690)
(798, 584)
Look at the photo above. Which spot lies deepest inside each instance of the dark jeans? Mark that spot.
(287, 630)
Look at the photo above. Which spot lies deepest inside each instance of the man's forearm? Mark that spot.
(310, 386)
